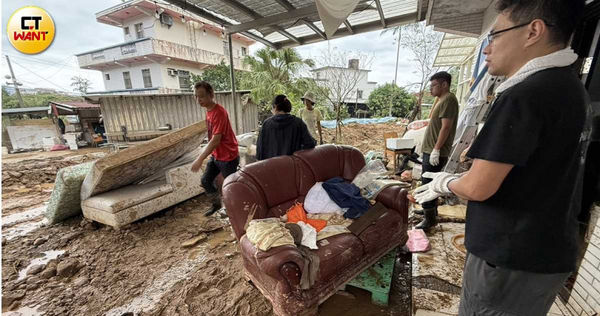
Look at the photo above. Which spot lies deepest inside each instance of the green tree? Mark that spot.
(80, 84)
(276, 72)
(34, 100)
(219, 76)
(423, 42)
(382, 97)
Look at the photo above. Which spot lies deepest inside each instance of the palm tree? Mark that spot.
(280, 64)
(275, 72)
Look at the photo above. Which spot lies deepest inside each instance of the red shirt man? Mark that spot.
(222, 144)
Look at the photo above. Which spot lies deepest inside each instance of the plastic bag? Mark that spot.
(371, 171)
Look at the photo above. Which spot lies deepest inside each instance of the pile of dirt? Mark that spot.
(29, 173)
(32, 172)
(364, 137)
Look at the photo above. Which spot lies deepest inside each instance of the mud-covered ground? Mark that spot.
(149, 267)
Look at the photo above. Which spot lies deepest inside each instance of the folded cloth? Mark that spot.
(332, 230)
(332, 219)
(318, 201)
(417, 241)
(346, 194)
(309, 235)
(268, 233)
(297, 214)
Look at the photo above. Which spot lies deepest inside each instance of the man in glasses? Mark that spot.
(524, 185)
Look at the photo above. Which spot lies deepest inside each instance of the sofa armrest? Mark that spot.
(395, 197)
(283, 263)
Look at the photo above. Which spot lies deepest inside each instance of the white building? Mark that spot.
(162, 45)
(359, 93)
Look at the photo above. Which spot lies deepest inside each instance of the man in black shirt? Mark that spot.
(521, 230)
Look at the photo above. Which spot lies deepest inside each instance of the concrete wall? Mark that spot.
(30, 136)
(148, 24)
(172, 82)
(116, 81)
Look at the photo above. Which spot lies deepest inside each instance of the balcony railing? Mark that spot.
(151, 46)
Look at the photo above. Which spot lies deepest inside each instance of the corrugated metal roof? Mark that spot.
(25, 110)
(293, 28)
(454, 49)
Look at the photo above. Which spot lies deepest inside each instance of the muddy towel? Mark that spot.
(267, 233)
(346, 194)
(332, 231)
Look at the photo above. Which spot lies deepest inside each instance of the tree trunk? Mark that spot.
(415, 112)
(338, 124)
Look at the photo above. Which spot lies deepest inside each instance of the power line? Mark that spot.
(50, 82)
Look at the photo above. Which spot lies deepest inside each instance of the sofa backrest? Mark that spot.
(270, 187)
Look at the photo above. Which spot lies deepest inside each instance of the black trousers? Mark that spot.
(213, 168)
(427, 167)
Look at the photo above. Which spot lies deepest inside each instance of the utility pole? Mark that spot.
(15, 83)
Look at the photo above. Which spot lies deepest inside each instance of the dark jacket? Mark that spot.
(283, 134)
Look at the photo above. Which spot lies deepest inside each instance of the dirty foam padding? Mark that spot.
(65, 199)
(136, 163)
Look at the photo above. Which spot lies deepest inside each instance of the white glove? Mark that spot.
(434, 157)
(436, 188)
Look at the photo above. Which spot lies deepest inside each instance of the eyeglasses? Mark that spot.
(492, 35)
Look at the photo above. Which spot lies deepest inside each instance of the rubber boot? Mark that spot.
(215, 198)
(429, 220)
(419, 212)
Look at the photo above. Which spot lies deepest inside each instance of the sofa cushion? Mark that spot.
(276, 178)
(117, 200)
(337, 253)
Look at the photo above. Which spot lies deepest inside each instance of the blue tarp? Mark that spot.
(332, 123)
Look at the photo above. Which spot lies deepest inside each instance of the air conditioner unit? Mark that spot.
(171, 72)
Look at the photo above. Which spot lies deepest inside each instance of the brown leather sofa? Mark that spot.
(269, 188)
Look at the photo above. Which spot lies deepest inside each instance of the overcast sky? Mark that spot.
(77, 31)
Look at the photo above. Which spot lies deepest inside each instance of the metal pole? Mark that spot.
(398, 53)
(12, 74)
(396, 74)
(233, 94)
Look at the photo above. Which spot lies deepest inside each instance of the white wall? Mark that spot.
(172, 82)
(191, 34)
(362, 84)
(116, 81)
(148, 24)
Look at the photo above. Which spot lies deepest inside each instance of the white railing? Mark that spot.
(151, 46)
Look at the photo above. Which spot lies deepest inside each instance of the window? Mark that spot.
(126, 30)
(225, 48)
(127, 80)
(139, 31)
(107, 76)
(184, 79)
(244, 51)
(359, 93)
(147, 78)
